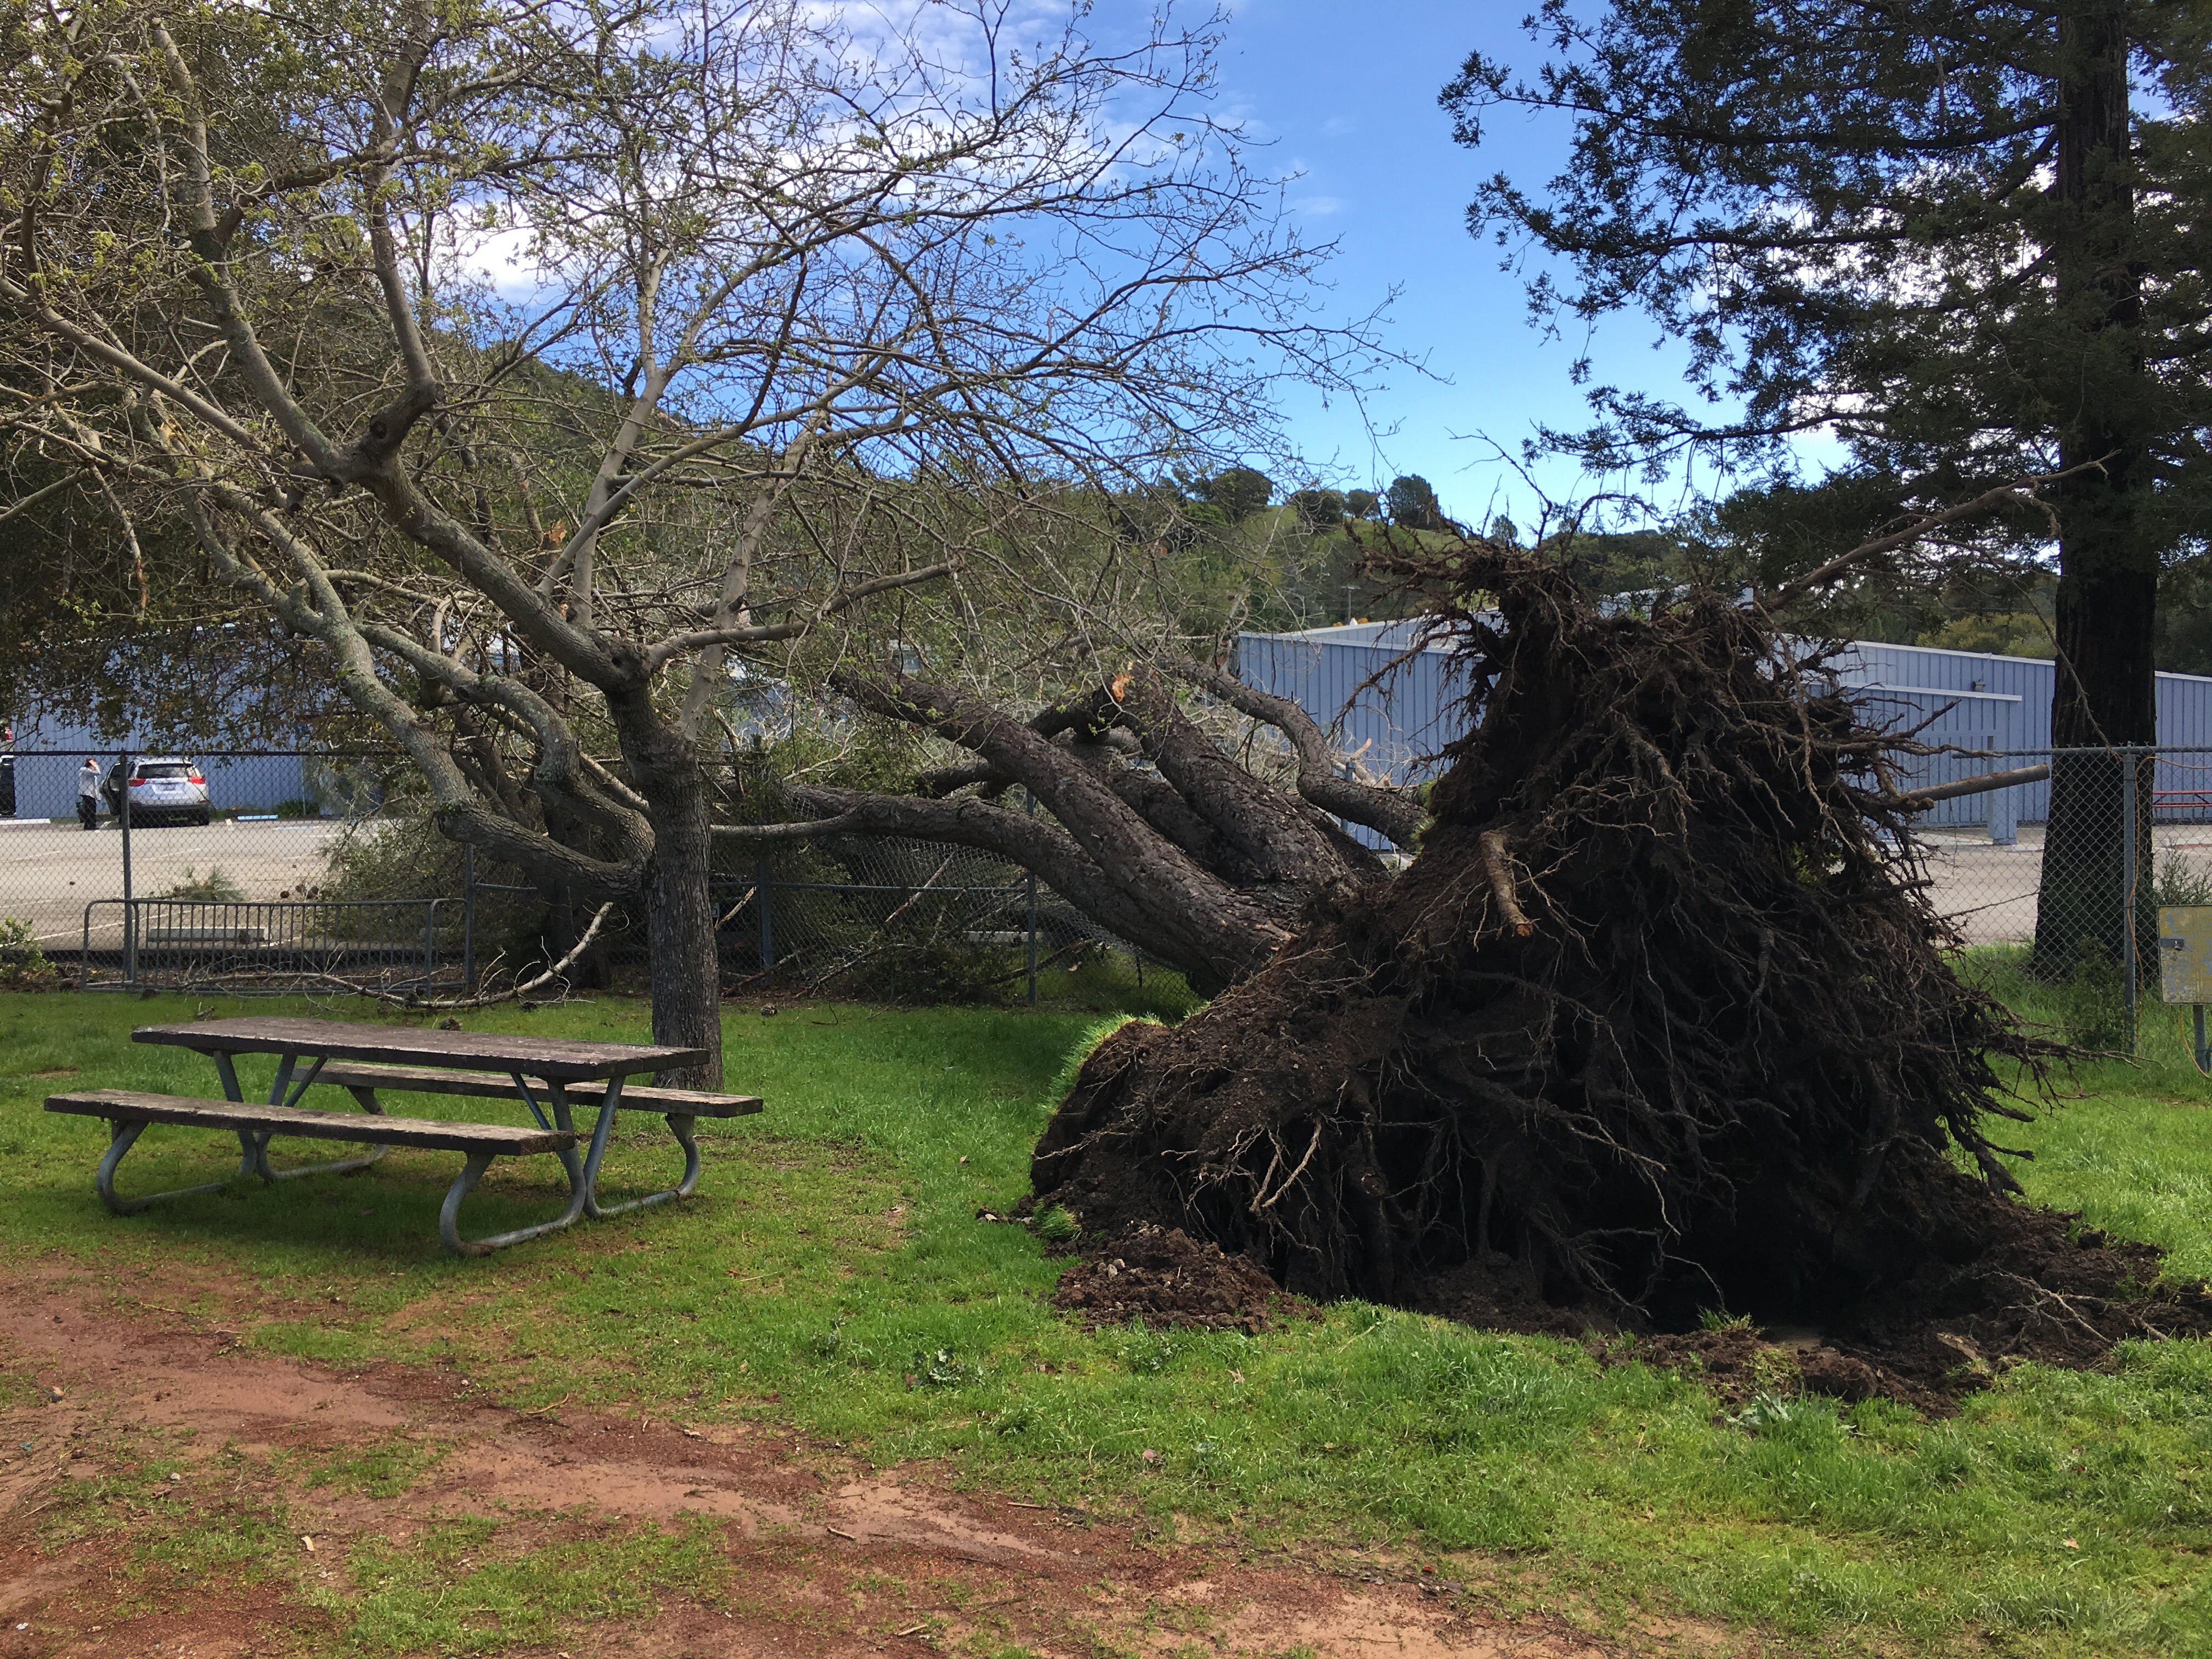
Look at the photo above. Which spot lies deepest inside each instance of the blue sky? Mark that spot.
(1346, 96)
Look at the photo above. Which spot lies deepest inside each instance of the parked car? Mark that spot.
(162, 786)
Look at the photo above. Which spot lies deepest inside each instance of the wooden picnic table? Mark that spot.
(562, 1059)
(428, 1060)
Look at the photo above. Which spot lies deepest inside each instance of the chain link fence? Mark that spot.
(2082, 906)
(912, 920)
(202, 829)
(284, 873)
(289, 871)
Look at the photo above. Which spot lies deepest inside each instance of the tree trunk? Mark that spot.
(687, 994)
(2105, 695)
(1214, 935)
(1194, 860)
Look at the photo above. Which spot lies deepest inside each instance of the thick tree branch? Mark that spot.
(1282, 835)
(1396, 813)
(1188, 923)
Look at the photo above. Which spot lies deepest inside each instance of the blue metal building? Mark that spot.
(1396, 721)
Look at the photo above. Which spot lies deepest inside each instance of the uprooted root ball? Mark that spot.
(1658, 1020)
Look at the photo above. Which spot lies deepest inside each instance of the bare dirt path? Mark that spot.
(826, 1557)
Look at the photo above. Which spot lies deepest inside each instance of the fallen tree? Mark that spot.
(1147, 825)
(1659, 1019)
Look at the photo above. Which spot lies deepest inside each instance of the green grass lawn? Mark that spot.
(832, 1274)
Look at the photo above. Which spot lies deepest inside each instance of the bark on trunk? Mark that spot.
(2105, 694)
(1214, 933)
(1194, 860)
(687, 999)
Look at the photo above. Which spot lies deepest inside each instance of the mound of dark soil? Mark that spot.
(1165, 1277)
(2040, 1289)
(1659, 1021)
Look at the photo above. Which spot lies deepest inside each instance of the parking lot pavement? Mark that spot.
(49, 873)
(1987, 891)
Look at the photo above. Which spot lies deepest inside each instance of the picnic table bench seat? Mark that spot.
(363, 1080)
(128, 1111)
(680, 1107)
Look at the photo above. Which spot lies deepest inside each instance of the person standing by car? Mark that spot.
(87, 794)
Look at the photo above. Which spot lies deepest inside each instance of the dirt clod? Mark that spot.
(1165, 1278)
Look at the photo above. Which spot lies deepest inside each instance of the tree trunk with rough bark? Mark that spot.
(2105, 695)
(687, 993)
(1144, 823)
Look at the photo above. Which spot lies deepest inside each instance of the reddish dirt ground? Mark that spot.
(828, 1558)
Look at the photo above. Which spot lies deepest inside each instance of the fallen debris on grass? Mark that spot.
(1165, 1278)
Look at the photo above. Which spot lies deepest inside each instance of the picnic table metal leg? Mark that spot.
(578, 1186)
(276, 1095)
(256, 1146)
(449, 1214)
(449, 1231)
(283, 1092)
(249, 1143)
(679, 1125)
(122, 1137)
(228, 1072)
(610, 1107)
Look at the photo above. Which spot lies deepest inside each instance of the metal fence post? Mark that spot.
(469, 917)
(129, 909)
(2129, 876)
(763, 887)
(1031, 800)
(2004, 817)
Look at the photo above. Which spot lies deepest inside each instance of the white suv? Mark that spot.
(162, 786)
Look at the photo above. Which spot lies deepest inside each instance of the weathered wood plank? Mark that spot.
(494, 1085)
(133, 1106)
(547, 1057)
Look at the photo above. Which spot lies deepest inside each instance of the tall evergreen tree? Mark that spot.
(1964, 237)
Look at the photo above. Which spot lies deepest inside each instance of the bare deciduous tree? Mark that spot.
(535, 360)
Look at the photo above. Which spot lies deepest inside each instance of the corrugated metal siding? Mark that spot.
(1969, 699)
(1389, 727)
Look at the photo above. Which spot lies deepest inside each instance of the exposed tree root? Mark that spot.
(1658, 1020)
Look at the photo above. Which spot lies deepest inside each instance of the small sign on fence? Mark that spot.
(2185, 952)
(2184, 965)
